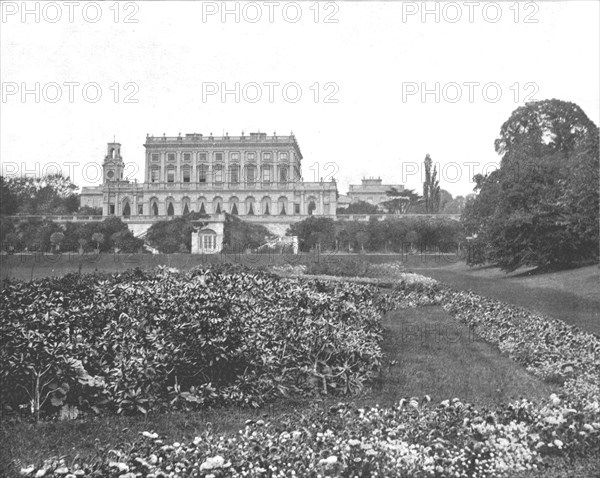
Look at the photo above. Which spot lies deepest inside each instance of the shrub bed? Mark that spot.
(138, 340)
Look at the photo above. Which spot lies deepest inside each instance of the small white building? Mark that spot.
(209, 239)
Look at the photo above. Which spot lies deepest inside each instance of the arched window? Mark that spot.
(282, 205)
(233, 205)
(250, 206)
(154, 209)
(266, 205)
(126, 209)
(311, 207)
(170, 210)
(218, 205)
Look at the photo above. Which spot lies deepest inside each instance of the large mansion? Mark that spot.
(255, 175)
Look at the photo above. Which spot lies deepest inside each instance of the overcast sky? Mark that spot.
(360, 69)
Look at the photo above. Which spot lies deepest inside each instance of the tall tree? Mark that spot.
(431, 187)
(541, 206)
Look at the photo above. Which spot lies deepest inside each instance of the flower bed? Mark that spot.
(413, 439)
(550, 349)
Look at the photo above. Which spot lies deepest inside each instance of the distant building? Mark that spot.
(372, 191)
(255, 175)
(343, 200)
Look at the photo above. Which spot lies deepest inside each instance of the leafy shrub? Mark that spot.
(222, 335)
(169, 236)
(240, 235)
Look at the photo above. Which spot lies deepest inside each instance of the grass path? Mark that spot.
(437, 356)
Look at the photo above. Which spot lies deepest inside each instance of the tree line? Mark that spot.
(393, 235)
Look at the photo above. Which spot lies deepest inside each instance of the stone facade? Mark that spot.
(255, 175)
(372, 191)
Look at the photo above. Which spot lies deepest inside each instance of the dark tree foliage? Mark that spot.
(540, 207)
(174, 235)
(379, 236)
(9, 200)
(312, 231)
(402, 202)
(34, 234)
(359, 207)
(240, 235)
(50, 195)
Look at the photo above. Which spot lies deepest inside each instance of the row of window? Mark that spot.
(218, 156)
(218, 173)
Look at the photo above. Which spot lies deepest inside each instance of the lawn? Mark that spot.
(570, 295)
(36, 265)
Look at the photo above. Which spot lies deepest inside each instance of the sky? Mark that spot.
(368, 88)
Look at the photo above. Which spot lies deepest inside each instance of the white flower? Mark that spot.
(329, 461)
(26, 471)
(552, 420)
(503, 442)
(554, 399)
(150, 435)
(121, 466)
(214, 462)
(558, 443)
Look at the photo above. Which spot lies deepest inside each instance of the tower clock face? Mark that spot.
(110, 174)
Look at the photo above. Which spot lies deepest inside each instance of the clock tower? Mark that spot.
(113, 165)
